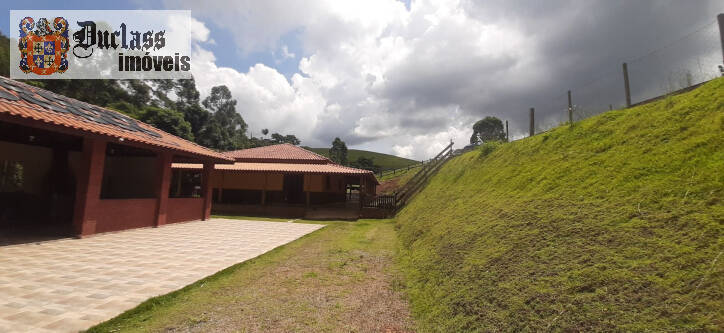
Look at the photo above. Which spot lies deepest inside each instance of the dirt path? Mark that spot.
(339, 278)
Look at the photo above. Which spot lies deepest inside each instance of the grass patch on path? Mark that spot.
(339, 278)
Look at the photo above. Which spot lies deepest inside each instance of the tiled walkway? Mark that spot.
(71, 284)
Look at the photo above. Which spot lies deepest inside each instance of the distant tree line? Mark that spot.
(275, 139)
(212, 122)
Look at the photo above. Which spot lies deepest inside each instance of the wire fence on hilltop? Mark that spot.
(692, 59)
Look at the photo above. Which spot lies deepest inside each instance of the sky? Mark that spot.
(407, 77)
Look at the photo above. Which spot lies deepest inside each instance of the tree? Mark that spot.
(170, 121)
(213, 123)
(264, 132)
(292, 139)
(188, 103)
(141, 92)
(366, 163)
(277, 138)
(226, 130)
(98, 92)
(338, 152)
(488, 129)
(126, 108)
(4, 55)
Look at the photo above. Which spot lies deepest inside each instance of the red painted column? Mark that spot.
(88, 186)
(206, 189)
(162, 190)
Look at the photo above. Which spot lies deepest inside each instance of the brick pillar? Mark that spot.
(162, 186)
(88, 186)
(206, 189)
(361, 191)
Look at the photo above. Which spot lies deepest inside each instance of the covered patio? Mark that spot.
(285, 181)
(68, 168)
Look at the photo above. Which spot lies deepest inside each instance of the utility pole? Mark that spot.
(507, 134)
(626, 86)
(532, 121)
(720, 18)
(570, 109)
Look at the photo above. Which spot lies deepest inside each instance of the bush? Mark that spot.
(489, 147)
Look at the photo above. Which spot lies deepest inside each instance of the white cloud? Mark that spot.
(402, 81)
(265, 98)
(403, 151)
(366, 61)
(286, 54)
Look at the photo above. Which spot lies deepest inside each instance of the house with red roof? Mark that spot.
(72, 168)
(286, 180)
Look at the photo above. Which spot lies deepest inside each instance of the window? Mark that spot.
(185, 184)
(129, 173)
(12, 176)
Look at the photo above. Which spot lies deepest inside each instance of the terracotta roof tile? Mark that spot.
(19, 100)
(329, 168)
(282, 153)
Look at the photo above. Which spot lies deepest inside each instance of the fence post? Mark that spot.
(532, 121)
(507, 134)
(570, 109)
(626, 86)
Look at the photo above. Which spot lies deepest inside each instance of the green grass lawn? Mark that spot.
(339, 278)
(385, 161)
(402, 176)
(615, 224)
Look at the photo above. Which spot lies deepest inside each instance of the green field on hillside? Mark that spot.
(615, 224)
(385, 161)
(392, 183)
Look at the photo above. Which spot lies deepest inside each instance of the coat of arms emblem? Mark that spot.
(43, 50)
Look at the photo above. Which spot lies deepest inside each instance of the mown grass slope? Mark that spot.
(612, 225)
(385, 161)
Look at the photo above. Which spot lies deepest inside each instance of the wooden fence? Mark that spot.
(379, 201)
(395, 171)
(403, 195)
(393, 203)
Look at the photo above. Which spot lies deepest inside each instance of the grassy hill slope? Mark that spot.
(615, 224)
(385, 161)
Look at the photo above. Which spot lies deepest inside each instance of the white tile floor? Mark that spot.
(71, 284)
